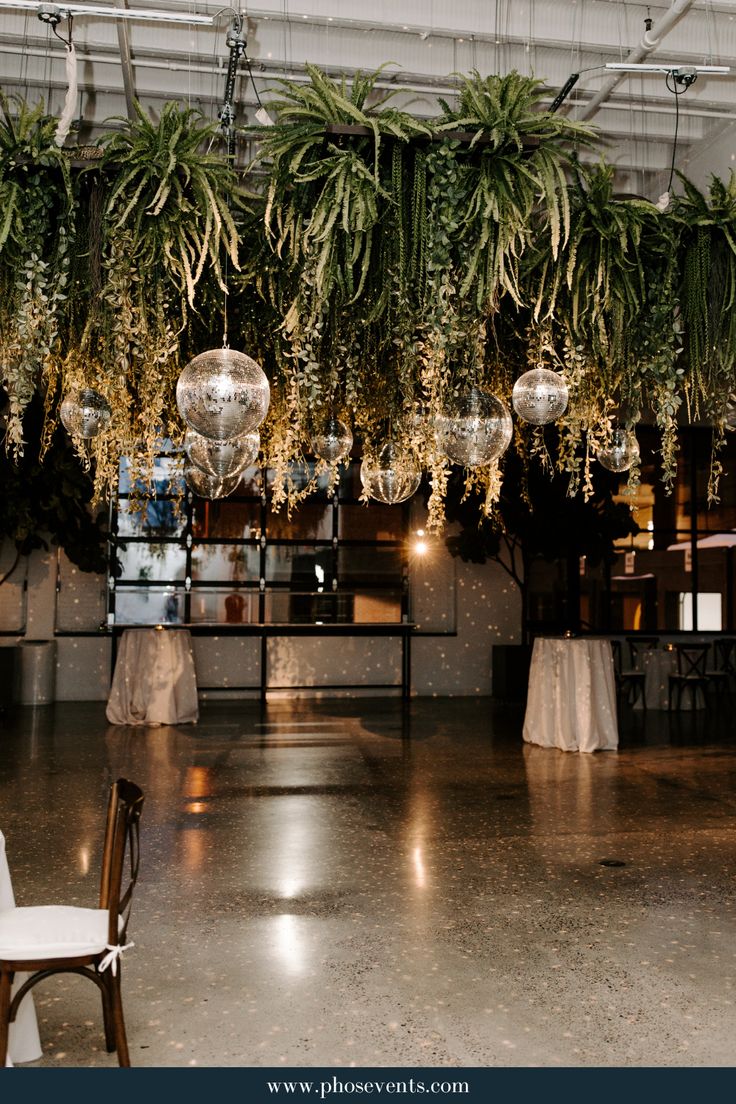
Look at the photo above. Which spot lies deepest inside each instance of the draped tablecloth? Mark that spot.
(24, 1044)
(154, 680)
(571, 703)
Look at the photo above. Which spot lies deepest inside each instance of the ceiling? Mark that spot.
(425, 44)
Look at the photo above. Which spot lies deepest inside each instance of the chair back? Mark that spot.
(638, 645)
(121, 842)
(725, 653)
(616, 653)
(692, 660)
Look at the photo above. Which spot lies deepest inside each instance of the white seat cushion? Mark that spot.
(52, 931)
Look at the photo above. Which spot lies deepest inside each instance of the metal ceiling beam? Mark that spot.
(651, 39)
(126, 60)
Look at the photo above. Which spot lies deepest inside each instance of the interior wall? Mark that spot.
(714, 156)
(464, 609)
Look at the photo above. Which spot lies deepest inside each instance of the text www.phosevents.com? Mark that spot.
(336, 1087)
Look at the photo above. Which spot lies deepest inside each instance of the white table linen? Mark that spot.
(571, 703)
(154, 680)
(24, 1044)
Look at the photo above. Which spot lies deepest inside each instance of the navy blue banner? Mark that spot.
(351, 1086)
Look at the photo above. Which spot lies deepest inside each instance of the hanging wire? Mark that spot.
(678, 87)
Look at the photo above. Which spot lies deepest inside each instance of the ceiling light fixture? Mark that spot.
(47, 12)
(668, 67)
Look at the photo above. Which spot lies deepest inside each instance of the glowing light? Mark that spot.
(420, 874)
(288, 943)
(421, 548)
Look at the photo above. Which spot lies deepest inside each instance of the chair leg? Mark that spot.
(6, 981)
(107, 1018)
(121, 1040)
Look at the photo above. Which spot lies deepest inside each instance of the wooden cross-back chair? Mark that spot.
(691, 675)
(51, 939)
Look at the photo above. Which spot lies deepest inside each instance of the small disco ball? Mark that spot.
(332, 441)
(540, 396)
(620, 453)
(221, 459)
(205, 485)
(85, 413)
(222, 394)
(475, 430)
(392, 476)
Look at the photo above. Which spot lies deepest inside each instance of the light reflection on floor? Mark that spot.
(359, 883)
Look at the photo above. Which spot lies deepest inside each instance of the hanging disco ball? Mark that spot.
(222, 394)
(332, 441)
(85, 413)
(205, 485)
(620, 453)
(392, 476)
(222, 458)
(540, 396)
(476, 429)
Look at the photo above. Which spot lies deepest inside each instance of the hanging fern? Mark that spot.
(175, 199)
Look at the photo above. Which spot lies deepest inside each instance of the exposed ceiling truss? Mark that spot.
(425, 44)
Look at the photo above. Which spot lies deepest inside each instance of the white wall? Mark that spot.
(466, 607)
(714, 156)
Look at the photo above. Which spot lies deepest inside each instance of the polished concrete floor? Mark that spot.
(357, 883)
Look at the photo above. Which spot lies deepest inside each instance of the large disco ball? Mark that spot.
(85, 413)
(222, 458)
(332, 441)
(540, 396)
(476, 429)
(205, 485)
(392, 476)
(620, 453)
(222, 394)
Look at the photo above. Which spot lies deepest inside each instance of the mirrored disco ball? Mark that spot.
(222, 458)
(332, 441)
(476, 429)
(540, 396)
(85, 413)
(222, 394)
(205, 485)
(620, 454)
(392, 476)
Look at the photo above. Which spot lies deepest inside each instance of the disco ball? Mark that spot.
(476, 429)
(540, 396)
(205, 485)
(222, 394)
(221, 459)
(620, 453)
(332, 441)
(392, 476)
(85, 413)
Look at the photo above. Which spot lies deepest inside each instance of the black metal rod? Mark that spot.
(564, 92)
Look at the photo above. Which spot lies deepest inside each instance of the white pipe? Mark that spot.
(100, 11)
(70, 100)
(650, 41)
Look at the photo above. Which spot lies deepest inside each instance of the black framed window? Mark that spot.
(677, 574)
(238, 561)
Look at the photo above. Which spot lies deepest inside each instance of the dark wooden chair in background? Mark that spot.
(723, 671)
(629, 681)
(52, 939)
(691, 675)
